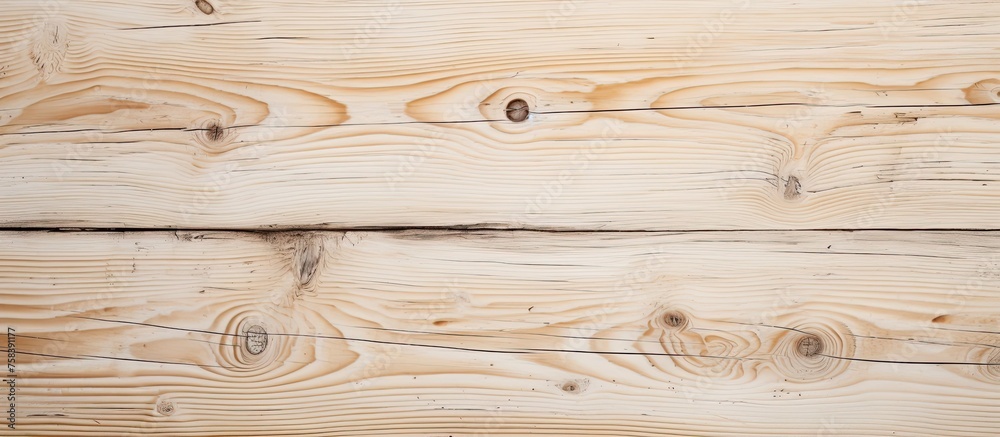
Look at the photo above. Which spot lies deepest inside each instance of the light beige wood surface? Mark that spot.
(821, 180)
(645, 115)
(498, 333)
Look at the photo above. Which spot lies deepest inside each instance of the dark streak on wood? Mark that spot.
(190, 25)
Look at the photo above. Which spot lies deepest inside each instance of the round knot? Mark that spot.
(575, 386)
(814, 350)
(211, 133)
(517, 110)
(673, 320)
(809, 346)
(165, 407)
(252, 344)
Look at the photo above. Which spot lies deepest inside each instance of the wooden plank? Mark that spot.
(725, 114)
(458, 333)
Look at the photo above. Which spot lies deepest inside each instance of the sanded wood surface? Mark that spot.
(499, 333)
(743, 139)
(644, 115)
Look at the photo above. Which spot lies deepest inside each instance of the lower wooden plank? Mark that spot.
(502, 333)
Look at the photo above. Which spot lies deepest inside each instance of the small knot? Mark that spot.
(809, 346)
(308, 258)
(215, 132)
(517, 110)
(255, 340)
(204, 7)
(793, 188)
(674, 319)
(575, 386)
(812, 350)
(165, 407)
(212, 134)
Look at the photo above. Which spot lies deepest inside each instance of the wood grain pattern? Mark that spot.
(498, 333)
(645, 115)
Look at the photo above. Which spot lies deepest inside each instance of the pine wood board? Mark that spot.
(678, 115)
(503, 333)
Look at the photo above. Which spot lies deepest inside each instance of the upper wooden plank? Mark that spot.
(644, 115)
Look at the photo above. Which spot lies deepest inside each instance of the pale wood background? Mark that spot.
(246, 218)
